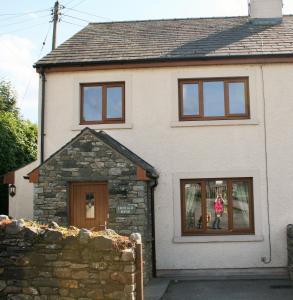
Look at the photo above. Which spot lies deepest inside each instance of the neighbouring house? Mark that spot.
(179, 129)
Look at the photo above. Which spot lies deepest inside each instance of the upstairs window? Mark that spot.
(102, 103)
(213, 99)
(217, 206)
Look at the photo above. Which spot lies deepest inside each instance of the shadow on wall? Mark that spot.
(4, 199)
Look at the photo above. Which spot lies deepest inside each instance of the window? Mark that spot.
(102, 103)
(89, 206)
(213, 99)
(217, 206)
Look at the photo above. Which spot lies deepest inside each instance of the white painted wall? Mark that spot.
(21, 205)
(266, 8)
(175, 149)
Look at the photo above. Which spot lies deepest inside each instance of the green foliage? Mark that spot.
(18, 142)
(18, 137)
(7, 98)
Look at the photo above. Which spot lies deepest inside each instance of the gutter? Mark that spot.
(281, 57)
(42, 129)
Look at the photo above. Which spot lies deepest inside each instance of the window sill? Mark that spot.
(214, 123)
(102, 126)
(218, 239)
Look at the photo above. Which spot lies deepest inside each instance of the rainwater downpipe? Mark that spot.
(42, 129)
(266, 260)
(154, 262)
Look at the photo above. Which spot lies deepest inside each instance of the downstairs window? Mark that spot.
(217, 206)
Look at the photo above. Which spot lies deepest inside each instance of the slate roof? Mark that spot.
(163, 40)
(107, 139)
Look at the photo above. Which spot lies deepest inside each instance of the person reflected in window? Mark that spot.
(219, 210)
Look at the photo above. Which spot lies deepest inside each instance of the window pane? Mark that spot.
(114, 102)
(89, 206)
(193, 211)
(217, 204)
(240, 195)
(237, 97)
(92, 103)
(190, 99)
(213, 97)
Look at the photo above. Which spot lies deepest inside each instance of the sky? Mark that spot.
(26, 31)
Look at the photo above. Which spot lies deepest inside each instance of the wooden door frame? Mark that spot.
(81, 183)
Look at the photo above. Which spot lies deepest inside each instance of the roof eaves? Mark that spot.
(161, 60)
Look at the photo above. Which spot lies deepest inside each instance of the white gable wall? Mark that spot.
(185, 150)
(21, 205)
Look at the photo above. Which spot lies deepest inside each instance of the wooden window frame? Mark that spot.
(104, 86)
(205, 231)
(201, 116)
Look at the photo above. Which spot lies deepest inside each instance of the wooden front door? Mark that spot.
(89, 205)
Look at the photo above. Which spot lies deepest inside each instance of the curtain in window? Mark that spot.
(240, 195)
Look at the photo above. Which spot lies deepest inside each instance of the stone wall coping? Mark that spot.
(53, 233)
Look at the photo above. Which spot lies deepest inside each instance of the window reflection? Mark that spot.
(193, 206)
(90, 206)
(114, 102)
(216, 199)
(213, 96)
(92, 106)
(206, 99)
(240, 195)
(190, 99)
(237, 97)
(217, 206)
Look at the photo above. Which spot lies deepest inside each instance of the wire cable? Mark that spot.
(89, 14)
(76, 18)
(20, 15)
(78, 3)
(67, 3)
(25, 28)
(23, 21)
(38, 57)
(72, 23)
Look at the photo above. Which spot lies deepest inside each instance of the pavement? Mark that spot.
(156, 288)
(268, 289)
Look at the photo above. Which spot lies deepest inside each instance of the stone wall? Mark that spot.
(87, 158)
(50, 262)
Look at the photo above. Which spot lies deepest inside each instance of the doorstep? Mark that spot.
(225, 274)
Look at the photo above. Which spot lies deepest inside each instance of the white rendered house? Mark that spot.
(208, 104)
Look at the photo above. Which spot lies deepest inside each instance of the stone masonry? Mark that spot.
(54, 263)
(89, 158)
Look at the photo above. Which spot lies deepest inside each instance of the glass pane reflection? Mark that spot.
(190, 99)
(217, 204)
(90, 206)
(240, 195)
(193, 206)
(114, 102)
(92, 103)
(237, 98)
(213, 97)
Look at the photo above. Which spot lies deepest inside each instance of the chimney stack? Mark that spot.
(267, 12)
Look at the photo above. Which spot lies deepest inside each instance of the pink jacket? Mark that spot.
(219, 206)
